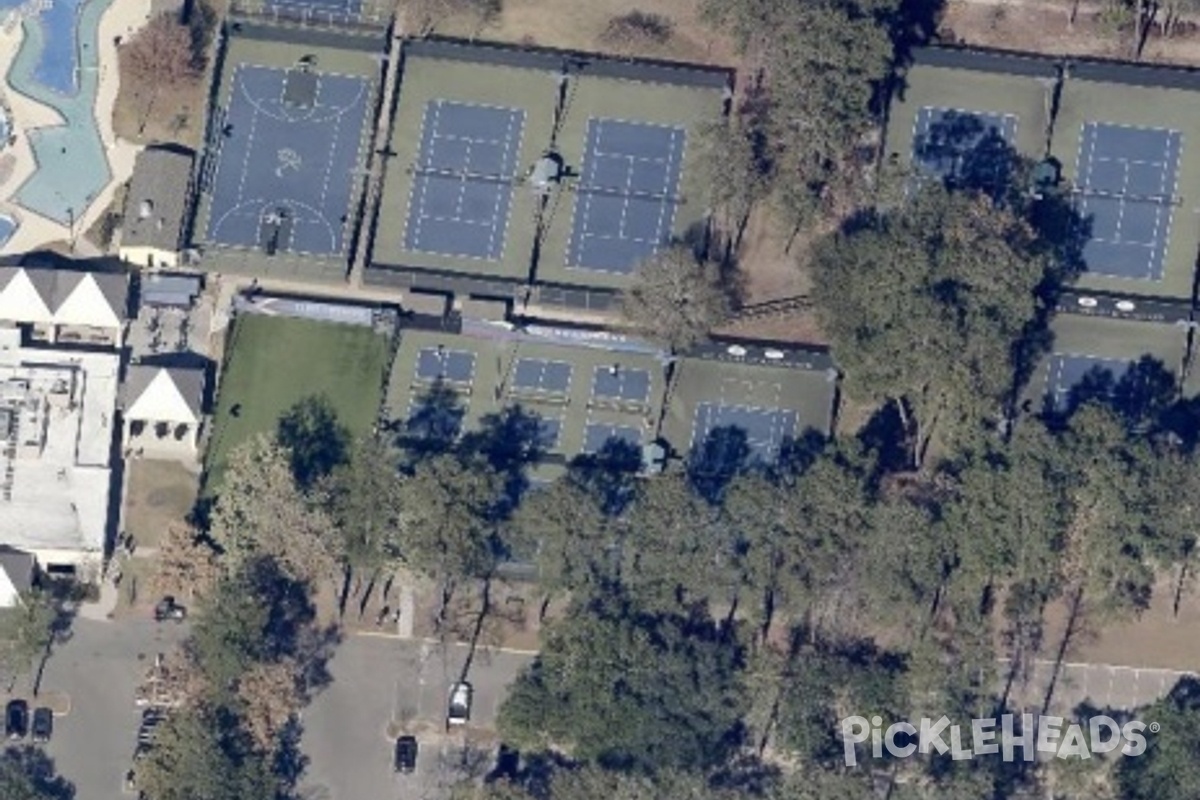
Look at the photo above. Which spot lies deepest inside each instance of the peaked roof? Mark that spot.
(20, 298)
(63, 296)
(16, 571)
(164, 394)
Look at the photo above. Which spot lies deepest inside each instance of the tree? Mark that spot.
(822, 65)
(676, 298)
(162, 54)
(629, 691)
(565, 524)
(186, 563)
(675, 552)
(271, 695)
(261, 511)
(447, 525)
(27, 632)
(1169, 769)
(256, 615)
(925, 304)
(27, 773)
(363, 499)
(202, 753)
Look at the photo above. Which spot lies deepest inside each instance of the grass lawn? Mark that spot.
(275, 362)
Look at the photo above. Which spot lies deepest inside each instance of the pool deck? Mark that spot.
(119, 19)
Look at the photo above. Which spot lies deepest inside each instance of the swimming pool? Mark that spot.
(72, 162)
(7, 226)
(57, 66)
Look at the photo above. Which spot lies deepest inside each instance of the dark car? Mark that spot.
(16, 719)
(406, 754)
(167, 609)
(43, 724)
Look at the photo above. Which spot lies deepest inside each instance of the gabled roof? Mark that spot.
(157, 200)
(16, 576)
(63, 296)
(164, 394)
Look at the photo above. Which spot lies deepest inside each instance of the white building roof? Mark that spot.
(162, 394)
(63, 296)
(56, 437)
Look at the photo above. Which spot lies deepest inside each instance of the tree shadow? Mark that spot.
(317, 440)
(434, 422)
(31, 766)
(966, 152)
(724, 453)
(886, 439)
(1142, 396)
(511, 441)
(610, 472)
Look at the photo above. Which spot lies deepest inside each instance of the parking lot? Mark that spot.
(1102, 686)
(383, 686)
(95, 673)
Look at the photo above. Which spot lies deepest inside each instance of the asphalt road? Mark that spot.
(97, 671)
(385, 685)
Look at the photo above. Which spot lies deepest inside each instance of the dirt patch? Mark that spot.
(159, 494)
(1047, 28)
(572, 25)
(147, 114)
(1159, 638)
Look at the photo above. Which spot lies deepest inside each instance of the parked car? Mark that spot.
(405, 759)
(43, 724)
(16, 720)
(460, 704)
(168, 609)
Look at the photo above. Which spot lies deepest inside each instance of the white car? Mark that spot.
(460, 704)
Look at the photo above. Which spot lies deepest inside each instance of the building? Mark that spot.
(163, 413)
(57, 412)
(156, 208)
(66, 306)
(17, 571)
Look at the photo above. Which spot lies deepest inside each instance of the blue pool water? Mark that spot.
(58, 65)
(7, 226)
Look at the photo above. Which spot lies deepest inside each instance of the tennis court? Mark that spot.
(765, 428)
(599, 434)
(627, 194)
(463, 179)
(1068, 371)
(1127, 193)
(440, 364)
(613, 383)
(543, 376)
(289, 146)
(956, 143)
(342, 8)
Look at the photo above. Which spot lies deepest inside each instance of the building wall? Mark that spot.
(150, 257)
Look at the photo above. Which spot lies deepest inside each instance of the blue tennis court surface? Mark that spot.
(454, 366)
(289, 147)
(1126, 193)
(463, 179)
(599, 434)
(548, 431)
(620, 384)
(541, 375)
(340, 8)
(1069, 372)
(975, 146)
(765, 429)
(627, 194)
